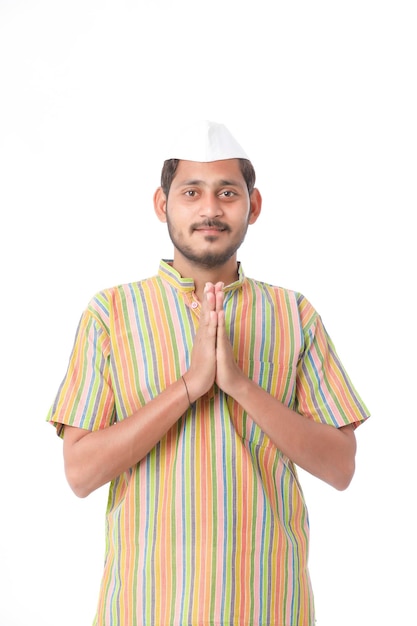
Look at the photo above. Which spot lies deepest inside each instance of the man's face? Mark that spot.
(208, 211)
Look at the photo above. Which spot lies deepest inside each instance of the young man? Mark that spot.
(195, 393)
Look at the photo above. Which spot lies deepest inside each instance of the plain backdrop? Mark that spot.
(322, 95)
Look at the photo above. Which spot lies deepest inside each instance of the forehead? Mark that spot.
(212, 173)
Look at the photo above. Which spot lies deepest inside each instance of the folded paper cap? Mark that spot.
(206, 141)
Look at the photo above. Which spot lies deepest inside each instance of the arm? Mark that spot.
(93, 458)
(323, 450)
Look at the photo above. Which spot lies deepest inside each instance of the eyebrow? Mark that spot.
(221, 183)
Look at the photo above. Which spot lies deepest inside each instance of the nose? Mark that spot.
(211, 206)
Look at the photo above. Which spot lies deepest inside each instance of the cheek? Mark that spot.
(176, 227)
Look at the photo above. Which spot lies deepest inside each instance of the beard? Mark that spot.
(206, 259)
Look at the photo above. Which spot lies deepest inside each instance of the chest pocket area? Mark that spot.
(278, 380)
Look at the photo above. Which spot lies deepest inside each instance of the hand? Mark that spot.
(228, 373)
(201, 374)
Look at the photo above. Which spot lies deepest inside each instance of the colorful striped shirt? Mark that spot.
(211, 527)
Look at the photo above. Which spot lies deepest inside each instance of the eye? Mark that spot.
(227, 193)
(190, 193)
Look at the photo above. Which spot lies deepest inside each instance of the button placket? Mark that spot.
(192, 302)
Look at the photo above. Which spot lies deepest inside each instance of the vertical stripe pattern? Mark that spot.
(211, 528)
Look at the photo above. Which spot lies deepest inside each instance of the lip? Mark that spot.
(210, 229)
(210, 226)
(212, 234)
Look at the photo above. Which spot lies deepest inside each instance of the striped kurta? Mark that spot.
(211, 528)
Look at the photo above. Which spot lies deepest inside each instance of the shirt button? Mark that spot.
(194, 304)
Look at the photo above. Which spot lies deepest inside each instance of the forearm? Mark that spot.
(94, 458)
(322, 450)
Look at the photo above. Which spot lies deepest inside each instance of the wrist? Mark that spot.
(238, 387)
(186, 391)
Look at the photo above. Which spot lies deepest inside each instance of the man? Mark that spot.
(195, 393)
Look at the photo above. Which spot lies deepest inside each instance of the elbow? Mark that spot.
(80, 472)
(76, 482)
(344, 467)
(343, 477)
(80, 491)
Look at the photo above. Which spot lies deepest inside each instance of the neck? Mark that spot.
(226, 273)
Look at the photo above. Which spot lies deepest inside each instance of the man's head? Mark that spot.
(207, 195)
(204, 142)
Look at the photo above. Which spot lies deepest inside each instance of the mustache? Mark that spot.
(210, 224)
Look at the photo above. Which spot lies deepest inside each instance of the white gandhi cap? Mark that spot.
(206, 141)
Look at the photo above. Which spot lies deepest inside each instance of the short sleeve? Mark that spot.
(85, 397)
(325, 392)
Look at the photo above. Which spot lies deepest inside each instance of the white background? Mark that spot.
(322, 95)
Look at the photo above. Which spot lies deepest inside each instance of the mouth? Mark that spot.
(205, 229)
(210, 227)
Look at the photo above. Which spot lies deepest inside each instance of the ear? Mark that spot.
(255, 205)
(160, 204)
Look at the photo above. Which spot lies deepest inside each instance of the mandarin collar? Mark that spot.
(168, 273)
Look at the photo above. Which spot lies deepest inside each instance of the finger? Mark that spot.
(209, 298)
(218, 289)
(212, 324)
(222, 335)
